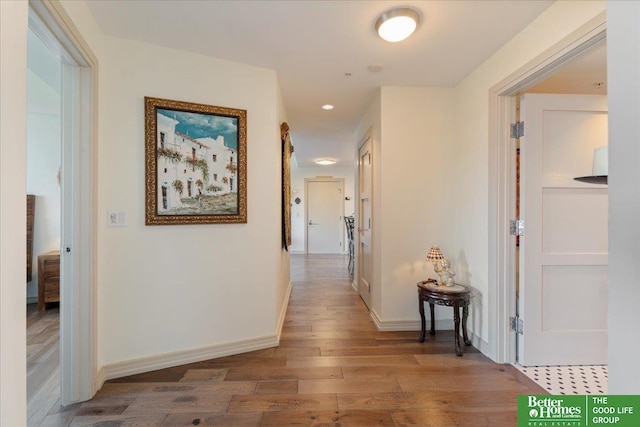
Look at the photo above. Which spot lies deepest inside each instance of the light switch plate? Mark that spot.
(117, 218)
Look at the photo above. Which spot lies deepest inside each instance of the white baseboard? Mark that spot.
(408, 325)
(297, 252)
(283, 312)
(414, 325)
(354, 285)
(100, 379)
(480, 344)
(168, 360)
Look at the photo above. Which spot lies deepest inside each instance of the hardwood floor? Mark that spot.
(332, 368)
(43, 362)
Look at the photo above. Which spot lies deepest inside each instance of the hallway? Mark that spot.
(332, 368)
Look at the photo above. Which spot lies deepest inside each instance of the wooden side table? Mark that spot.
(48, 278)
(453, 296)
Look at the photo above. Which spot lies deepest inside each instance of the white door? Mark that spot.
(365, 256)
(564, 250)
(324, 217)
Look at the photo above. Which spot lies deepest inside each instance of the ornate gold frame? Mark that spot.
(287, 150)
(152, 215)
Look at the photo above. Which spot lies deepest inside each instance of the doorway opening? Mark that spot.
(543, 74)
(74, 127)
(44, 138)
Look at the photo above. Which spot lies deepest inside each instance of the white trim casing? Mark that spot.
(79, 376)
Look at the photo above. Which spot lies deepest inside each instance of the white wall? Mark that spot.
(411, 195)
(298, 175)
(470, 173)
(171, 288)
(623, 64)
(417, 124)
(43, 161)
(13, 117)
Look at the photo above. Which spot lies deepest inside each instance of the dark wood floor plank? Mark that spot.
(268, 373)
(277, 387)
(503, 418)
(282, 402)
(327, 418)
(436, 400)
(204, 375)
(385, 385)
(312, 362)
(147, 420)
(217, 420)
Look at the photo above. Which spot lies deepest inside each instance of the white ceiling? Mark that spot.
(585, 75)
(312, 44)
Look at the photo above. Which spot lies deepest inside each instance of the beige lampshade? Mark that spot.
(434, 254)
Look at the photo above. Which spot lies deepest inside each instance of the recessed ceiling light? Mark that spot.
(327, 107)
(397, 24)
(325, 162)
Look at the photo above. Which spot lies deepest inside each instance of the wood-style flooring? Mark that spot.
(332, 368)
(43, 362)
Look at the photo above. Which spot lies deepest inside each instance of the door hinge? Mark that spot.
(516, 227)
(517, 130)
(517, 325)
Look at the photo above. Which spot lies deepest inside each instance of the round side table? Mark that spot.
(451, 296)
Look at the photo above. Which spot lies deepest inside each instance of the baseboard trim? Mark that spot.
(297, 252)
(354, 285)
(480, 344)
(407, 325)
(100, 379)
(283, 312)
(168, 360)
(414, 325)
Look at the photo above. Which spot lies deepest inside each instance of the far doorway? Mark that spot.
(325, 215)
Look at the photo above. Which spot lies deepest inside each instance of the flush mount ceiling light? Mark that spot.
(397, 24)
(325, 162)
(327, 107)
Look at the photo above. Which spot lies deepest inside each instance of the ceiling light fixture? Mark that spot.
(325, 162)
(397, 24)
(327, 107)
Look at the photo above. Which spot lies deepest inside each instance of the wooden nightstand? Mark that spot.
(48, 278)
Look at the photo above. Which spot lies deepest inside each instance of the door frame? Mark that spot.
(79, 379)
(368, 136)
(306, 209)
(501, 248)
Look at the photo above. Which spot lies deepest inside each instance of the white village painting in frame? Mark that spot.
(196, 163)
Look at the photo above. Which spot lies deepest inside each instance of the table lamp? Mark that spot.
(435, 257)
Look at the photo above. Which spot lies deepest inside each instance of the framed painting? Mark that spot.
(195, 163)
(287, 151)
